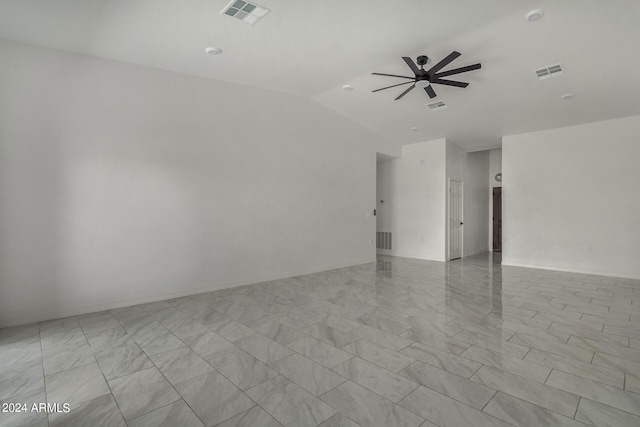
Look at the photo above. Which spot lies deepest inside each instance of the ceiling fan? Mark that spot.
(425, 78)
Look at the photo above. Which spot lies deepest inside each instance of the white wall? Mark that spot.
(472, 170)
(495, 167)
(572, 198)
(412, 188)
(121, 184)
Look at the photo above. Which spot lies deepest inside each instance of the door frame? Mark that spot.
(449, 217)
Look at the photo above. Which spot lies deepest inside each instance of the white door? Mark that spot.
(455, 219)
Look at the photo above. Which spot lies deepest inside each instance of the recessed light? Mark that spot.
(414, 129)
(347, 87)
(567, 96)
(213, 51)
(535, 15)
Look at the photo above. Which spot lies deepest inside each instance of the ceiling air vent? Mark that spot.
(438, 105)
(550, 71)
(245, 11)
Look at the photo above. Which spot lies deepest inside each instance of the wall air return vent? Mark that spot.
(383, 240)
(438, 105)
(550, 71)
(245, 11)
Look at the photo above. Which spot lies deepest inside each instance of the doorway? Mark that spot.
(497, 219)
(456, 220)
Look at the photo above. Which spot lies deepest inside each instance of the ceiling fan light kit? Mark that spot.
(426, 78)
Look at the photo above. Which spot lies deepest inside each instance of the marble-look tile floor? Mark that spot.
(399, 342)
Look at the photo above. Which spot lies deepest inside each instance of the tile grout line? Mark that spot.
(103, 375)
(154, 365)
(263, 408)
(548, 375)
(577, 406)
(174, 389)
(44, 378)
(485, 405)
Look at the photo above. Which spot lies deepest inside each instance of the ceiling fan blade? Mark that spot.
(446, 61)
(430, 91)
(449, 83)
(405, 92)
(459, 70)
(383, 88)
(411, 65)
(393, 75)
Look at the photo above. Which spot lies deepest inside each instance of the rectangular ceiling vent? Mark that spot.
(550, 71)
(245, 11)
(438, 105)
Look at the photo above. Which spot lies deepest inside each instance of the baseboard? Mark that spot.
(410, 256)
(111, 305)
(572, 270)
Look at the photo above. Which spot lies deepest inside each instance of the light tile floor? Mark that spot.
(399, 342)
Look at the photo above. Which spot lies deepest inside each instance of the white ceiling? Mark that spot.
(312, 47)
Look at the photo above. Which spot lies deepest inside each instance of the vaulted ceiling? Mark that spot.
(312, 48)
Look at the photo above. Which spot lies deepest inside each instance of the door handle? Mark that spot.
(461, 223)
